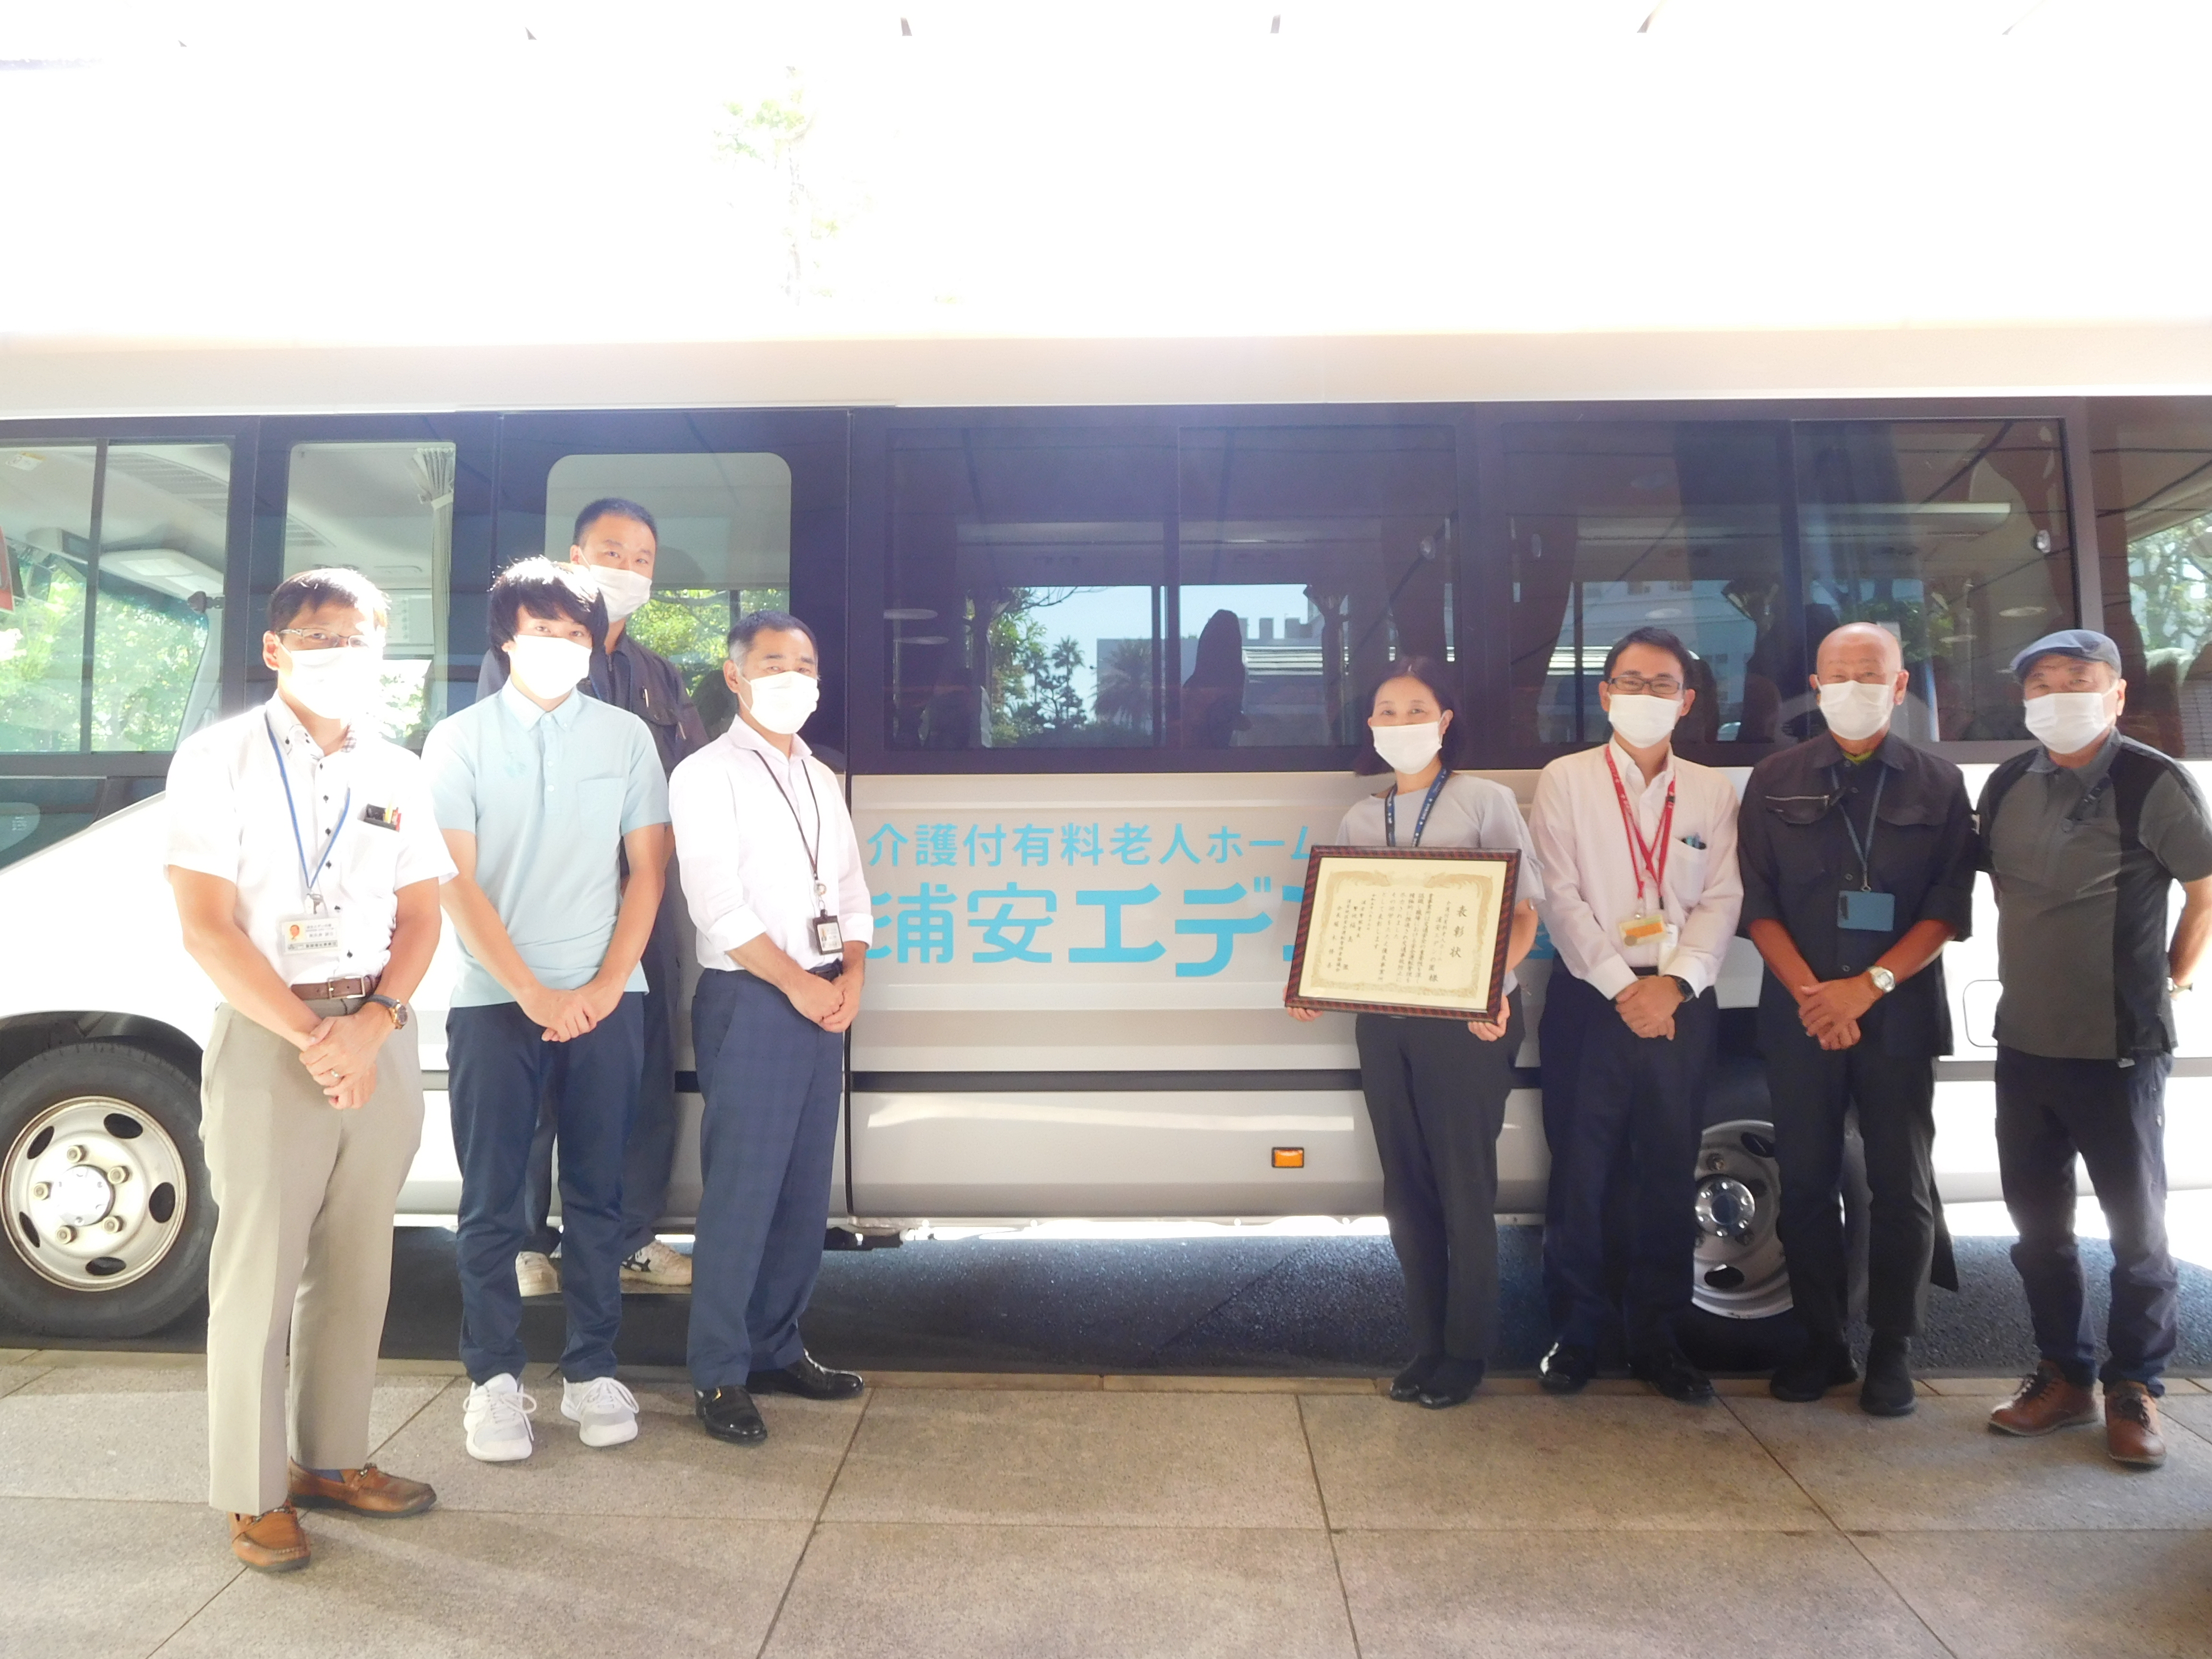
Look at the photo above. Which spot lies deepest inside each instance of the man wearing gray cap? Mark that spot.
(2083, 838)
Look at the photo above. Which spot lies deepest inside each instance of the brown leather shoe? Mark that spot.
(365, 1491)
(2131, 1433)
(2045, 1401)
(271, 1542)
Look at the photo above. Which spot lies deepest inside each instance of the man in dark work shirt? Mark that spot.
(1858, 856)
(619, 542)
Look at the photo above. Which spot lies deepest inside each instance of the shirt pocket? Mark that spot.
(598, 810)
(1798, 811)
(1686, 872)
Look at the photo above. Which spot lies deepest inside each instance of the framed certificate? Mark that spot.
(1404, 930)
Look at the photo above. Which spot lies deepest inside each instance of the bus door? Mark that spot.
(751, 513)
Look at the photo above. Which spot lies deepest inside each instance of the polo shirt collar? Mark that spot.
(291, 730)
(2086, 776)
(1887, 751)
(528, 713)
(743, 736)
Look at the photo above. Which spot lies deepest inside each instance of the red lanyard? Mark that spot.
(1641, 850)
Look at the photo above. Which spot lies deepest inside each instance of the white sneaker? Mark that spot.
(496, 1422)
(536, 1275)
(658, 1267)
(604, 1412)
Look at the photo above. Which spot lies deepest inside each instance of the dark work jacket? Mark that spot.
(1796, 856)
(630, 677)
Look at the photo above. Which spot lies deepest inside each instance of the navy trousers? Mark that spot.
(1436, 1096)
(773, 1082)
(651, 1152)
(1619, 1094)
(501, 1068)
(2114, 1116)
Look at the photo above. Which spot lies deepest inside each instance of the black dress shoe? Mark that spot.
(730, 1414)
(1887, 1391)
(1821, 1367)
(808, 1378)
(1406, 1386)
(1567, 1369)
(1450, 1384)
(1670, 1371)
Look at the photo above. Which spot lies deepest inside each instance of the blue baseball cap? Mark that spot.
(2085, 643)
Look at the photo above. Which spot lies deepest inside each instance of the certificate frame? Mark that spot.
(1336, 874)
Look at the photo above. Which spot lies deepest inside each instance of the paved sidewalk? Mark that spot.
(975, 1516)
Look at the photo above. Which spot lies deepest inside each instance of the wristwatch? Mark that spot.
(400, 1012)
(1884, 981)
(1683, 986)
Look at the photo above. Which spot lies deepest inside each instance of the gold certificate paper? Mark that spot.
(1407, 930)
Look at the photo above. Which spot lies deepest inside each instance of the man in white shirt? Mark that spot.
(305, 861)
(1641, 896)
(771, 870)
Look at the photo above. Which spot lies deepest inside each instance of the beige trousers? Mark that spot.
(303, 1250)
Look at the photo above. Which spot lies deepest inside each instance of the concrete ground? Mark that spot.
(982, 1514)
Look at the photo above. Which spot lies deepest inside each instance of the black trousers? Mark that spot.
(1435, 1095)
(1813, 1089)
(2114, 1116)
(650, 1153)
(1616, 1092)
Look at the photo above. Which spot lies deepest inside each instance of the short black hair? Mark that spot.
(754, 623)
(311, 590)
(1658, 639)
(613, 507)
(546, 589)
(1429, 673)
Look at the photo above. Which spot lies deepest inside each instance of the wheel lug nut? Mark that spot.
(120, 1174)
(65, 1234)
(114, 1224)
(75, 1155)
(41, 1190)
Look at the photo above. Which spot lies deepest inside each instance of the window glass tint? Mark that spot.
(386, 510)
(1027, 572)
(1308, 559)
(2153, 482)
(1614, 526)
(724, 523)
(142, 527)
(1952, 534)
(1113, 587)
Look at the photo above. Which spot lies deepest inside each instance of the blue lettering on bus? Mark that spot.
(925, 923)
(1000, 930)
(1131, 842)
(1079, 840)
(1224, 929)
(876, 845)
(980, 840)
(1114, 900)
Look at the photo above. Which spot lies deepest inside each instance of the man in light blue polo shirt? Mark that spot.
(556, 810)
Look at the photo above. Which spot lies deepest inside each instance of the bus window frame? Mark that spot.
(242, 436)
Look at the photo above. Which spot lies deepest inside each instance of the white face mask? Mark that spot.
(1855, 711)
(781, 702)
(340, 683)
(1407, 749)
(623, 590)
(1643, 721)
(2067, 722)
(548, 668)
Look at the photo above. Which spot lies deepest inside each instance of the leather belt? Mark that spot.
(335, 990)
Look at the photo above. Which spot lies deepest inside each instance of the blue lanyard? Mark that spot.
(299, 844)
(1864, 850)
(1421, 822)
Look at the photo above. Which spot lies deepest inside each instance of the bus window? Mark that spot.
(1951, 534)
(724, 550)
(1615, 524)
(2154, 481)
(1308, 559)
(386, 510)
(1027, 577)
(144, 528)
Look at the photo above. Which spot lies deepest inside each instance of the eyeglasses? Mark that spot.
(1635, 685)
(313, 639)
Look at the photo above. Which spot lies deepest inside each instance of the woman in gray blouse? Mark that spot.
(1436, 1088)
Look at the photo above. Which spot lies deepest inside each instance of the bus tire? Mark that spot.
(106, 1203)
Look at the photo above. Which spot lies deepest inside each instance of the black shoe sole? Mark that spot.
(1888, 1407)
(1553, 1382)
(1437, 1402)
(820, 1396)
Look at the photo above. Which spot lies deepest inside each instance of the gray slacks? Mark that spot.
(302, 1253)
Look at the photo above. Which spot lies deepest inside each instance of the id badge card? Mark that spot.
(828, 937)
(1865, 912)
(1644, 927)
(308, 936)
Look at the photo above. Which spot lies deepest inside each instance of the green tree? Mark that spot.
(772, 133)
